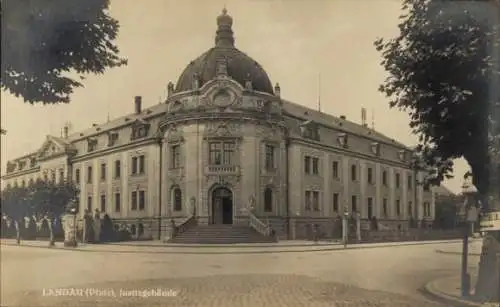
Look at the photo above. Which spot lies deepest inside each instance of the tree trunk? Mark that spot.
(51, 233)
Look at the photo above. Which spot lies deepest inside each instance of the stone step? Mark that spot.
(221, 234)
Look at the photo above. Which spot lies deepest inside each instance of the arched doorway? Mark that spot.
(222, 206)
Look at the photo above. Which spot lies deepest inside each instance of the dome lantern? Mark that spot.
(224, 35)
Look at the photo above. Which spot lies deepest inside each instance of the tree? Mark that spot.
(444, 71)
(43, 41)
(441, 72)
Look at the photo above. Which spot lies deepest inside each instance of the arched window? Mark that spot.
(177, 199)
(133, 230)
(23, 183)
(268, 200)
(9, 186)
(31, 182)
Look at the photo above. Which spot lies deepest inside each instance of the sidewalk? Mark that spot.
(475, 247)
(155, 247)
(448, 289)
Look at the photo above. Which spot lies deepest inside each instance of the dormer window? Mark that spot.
(375, 147)
(402, 155)
(112, 138)
(21, 164)
(343, 140)
(140, 129)
(310, 131)
(91, 144)
(11, 167)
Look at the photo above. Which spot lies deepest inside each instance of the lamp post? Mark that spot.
(345, 228)
(468, 190)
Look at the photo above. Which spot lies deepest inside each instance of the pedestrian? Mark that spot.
(18, 232)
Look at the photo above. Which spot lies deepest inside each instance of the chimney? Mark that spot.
(66, 132)
(363, 117)
(138, 102)
(342, 117)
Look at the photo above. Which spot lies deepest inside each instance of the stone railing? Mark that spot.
(258, 225)
(192, 221)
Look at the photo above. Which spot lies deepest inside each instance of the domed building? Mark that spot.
(226, 159)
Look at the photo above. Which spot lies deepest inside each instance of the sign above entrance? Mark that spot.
(490, 221)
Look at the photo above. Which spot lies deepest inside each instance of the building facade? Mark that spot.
(225, 142)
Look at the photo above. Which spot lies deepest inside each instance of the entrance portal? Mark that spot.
(222, 206)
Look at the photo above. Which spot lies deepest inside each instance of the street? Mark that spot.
(386, 276)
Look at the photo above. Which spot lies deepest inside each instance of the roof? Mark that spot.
(331, 121)
(236, 64)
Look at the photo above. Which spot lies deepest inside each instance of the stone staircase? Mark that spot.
(220, 234)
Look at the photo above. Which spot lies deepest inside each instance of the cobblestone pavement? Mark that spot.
(225, 290)
(370, 277)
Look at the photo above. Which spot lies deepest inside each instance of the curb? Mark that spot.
(431, 289)
(455, 253)
(262, 251)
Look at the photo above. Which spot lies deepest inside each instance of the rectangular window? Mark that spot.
(118, 202)
(227, 157)
(118, 169)
(354, 173)
(103, 202)
(410, 182)
(142, 164)
(369, 175)
(427, 209)
(398, 207)
(384, 178)
(315, 201)
(336, 202)
(410, 209)
(175, 156)
(89, 174)
(307, 164)
(134, 165)
(398, 180)
(369, 205)
(103, 172)
(215, 153)
(221, 153)
(354, 203)
(308, 200)
(77, 176)
(269, 157)
(89, 204)
(315, 166)
(134, 200)
(335, 169)
(53, 176)
(384, 207)
(142, 200)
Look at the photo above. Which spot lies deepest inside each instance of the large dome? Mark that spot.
(240, 67)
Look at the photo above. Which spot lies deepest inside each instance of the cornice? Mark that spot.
(21, 173)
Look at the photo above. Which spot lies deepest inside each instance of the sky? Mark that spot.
(314, 49)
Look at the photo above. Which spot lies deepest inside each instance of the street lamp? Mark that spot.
(468, 190)
(345, 228)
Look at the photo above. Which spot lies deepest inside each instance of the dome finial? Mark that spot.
(224, 35)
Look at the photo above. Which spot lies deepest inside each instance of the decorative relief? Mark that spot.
(223, 129)
(224, 180)
(175, 106)
(174, 135)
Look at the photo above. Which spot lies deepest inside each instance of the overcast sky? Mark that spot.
(294, 40)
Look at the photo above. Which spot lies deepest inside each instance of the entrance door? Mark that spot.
(222, 206)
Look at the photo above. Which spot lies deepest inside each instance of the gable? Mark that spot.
(51, 147)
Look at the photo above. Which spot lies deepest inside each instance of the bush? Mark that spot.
(44, 231)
